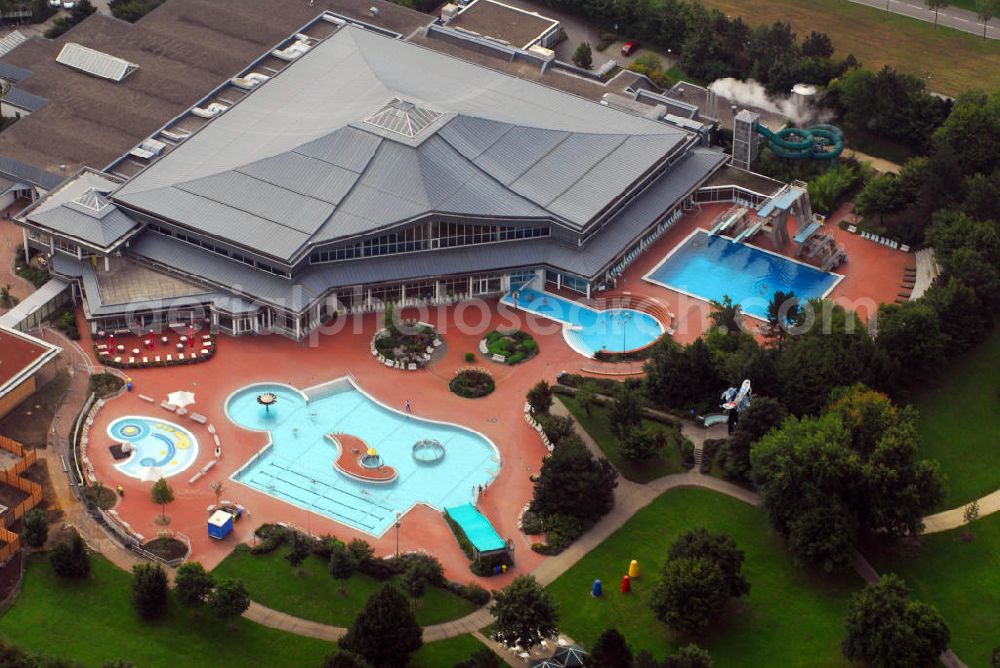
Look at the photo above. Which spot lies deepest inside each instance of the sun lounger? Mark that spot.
(180, 356)
(199, 418)
(156, 359)
(145, 398)
(145, 360)
(168, 406)
(852, 229)
(170, 358)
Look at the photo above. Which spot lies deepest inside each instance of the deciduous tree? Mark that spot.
(524, 613)
(149, 590)
(385, 633)
(610, 650)
(192, 584)
(229, 598)
(886, 628)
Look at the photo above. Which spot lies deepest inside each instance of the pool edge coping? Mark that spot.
(648, 277)
(568, 326)
(352, 381)
(194, 440)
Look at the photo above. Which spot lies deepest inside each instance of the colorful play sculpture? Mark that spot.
(626, 584)
(633, 569)
(597, 590)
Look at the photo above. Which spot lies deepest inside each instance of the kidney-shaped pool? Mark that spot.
(309, 429)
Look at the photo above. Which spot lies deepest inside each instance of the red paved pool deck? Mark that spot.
(872, 273)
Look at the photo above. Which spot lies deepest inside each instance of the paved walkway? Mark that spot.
(951, 17)
(630, 498)
(10, 243)
(954, 518)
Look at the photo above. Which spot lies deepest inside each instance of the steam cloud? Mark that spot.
(752, 94)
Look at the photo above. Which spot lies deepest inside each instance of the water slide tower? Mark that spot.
(746, 141)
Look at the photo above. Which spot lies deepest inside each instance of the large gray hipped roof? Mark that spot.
(633, 221)
(311, 157)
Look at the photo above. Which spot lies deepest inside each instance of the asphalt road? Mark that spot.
(953, 17)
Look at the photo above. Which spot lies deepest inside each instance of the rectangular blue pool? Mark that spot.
(710, 267)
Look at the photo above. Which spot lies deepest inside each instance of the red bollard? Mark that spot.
(626, 584)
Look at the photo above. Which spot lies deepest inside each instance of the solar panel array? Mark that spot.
(96, 63)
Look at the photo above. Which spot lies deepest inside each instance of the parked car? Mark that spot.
(55, 3)
(629, 48)
(68, 4)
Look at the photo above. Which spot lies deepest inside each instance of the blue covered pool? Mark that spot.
(588, 330)
(298, 466)
(710, 267)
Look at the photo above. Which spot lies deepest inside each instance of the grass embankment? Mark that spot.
(792, 617)
(962, 579)
(960, 421)
(445, 653)
(92, 621)
(949, 60)
(315, 595)
(668, 460)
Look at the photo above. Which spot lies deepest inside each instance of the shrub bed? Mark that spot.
(472, 383)
(514, 347)
(105, 384)
(687, 454)
(708, 452)
(23, 268)
(166, 548)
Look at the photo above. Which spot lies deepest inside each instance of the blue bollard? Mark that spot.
(596, 591)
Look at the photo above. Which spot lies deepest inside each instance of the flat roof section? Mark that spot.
(183, 50)
(513, 25)
(20, 357)
(126, 282)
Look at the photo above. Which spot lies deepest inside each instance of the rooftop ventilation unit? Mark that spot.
(403, 118)
(96, 63)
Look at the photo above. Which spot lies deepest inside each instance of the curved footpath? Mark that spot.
(630, 498)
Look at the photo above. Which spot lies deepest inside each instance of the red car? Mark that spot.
(630, 48)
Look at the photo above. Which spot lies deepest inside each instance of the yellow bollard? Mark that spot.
(633, 570)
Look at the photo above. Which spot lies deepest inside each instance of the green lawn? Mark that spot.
(92, 621)
(315, 595)
(959, 423)
(878, 147)
(949, 60)
(962, 580)
(445, 653)
(598, 426)
(791, 618)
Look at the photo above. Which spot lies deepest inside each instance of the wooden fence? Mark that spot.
(12, 477)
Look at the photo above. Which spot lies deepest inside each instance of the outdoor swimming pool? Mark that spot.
(298, 466)
(159, 448)
(710, 267)
(588, 330)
